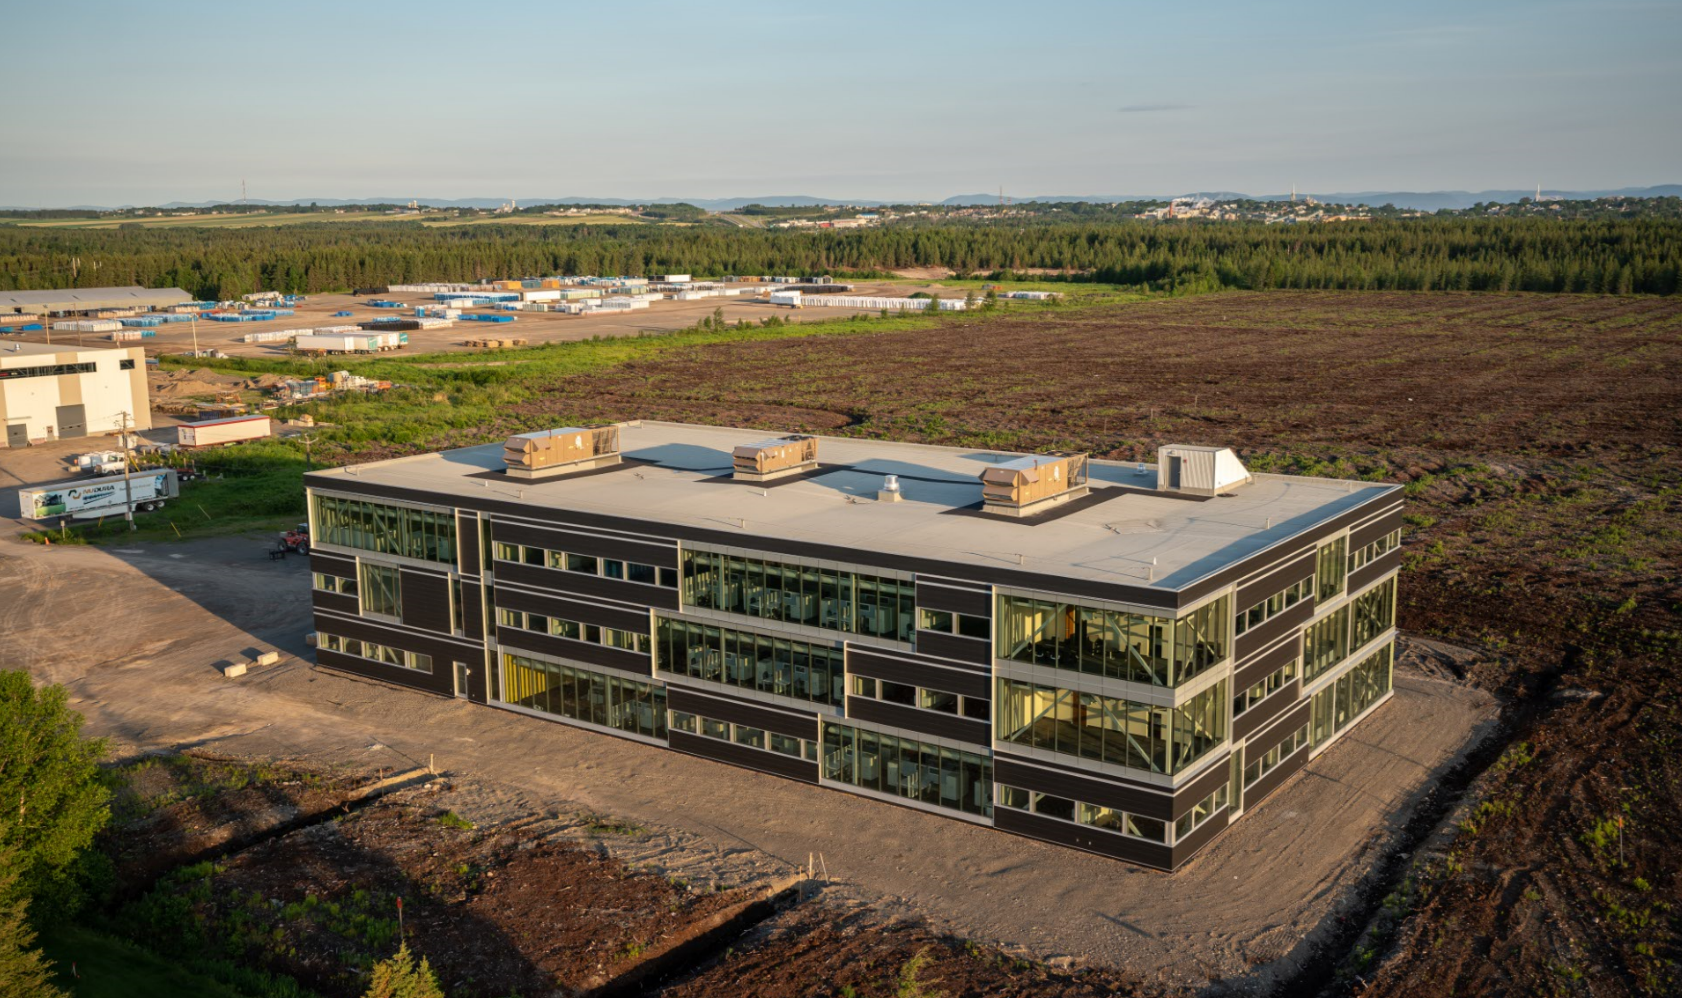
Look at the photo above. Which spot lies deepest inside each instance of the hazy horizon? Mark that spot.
(181, 101)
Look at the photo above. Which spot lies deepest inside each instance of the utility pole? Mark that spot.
(128, 464)
(195, 324)
(307, 439)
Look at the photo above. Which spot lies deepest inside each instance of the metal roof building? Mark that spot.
(65, 300)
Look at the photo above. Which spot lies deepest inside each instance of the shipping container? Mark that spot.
(219, 432)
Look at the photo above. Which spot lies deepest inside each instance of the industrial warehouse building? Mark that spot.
(1118, 658)
(53, 392)
(87, 301)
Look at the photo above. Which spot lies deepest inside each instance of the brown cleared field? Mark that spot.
(1539, 437)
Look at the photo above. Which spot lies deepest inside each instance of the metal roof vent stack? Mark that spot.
(1027, 485)
(889, 492)
(768, 460)
(563, 451)
(1199, 471)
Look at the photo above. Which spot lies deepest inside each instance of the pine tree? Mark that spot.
(24, 972)
(400, 977)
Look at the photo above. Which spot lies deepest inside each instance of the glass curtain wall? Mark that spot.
(1121, 732)
(380, 590)
(371, 526)
(1355, 691)
(798, 669)
(1329, 568)
(1374, 613)
(1325, 643)
(1143, 649)
(608, 701)
(906, 767)
(800, 594)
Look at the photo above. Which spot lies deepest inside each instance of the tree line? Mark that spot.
(1614, 256)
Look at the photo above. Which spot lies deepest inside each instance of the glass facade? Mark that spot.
(1143, 649)
(1355, 691)
(1329, 568)
(1372, 613)
(1325, 643)
(381, 592)
(373, 526)
(797, 669)
(800, 594)
(1121, 732)
(916, 770)
(608, 701)
(335, 584)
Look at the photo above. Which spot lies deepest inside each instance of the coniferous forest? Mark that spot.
(1641, 256)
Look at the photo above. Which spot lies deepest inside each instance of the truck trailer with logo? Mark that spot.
(96, 497)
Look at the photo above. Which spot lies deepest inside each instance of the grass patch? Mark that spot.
(450, 819)
(108, 967)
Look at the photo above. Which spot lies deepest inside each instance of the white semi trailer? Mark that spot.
(95, 497)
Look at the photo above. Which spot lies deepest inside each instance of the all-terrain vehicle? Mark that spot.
(297, 539)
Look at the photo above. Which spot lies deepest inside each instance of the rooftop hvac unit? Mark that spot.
(1199, 471)
(1028, 484)
(769, 459)
(561, 451)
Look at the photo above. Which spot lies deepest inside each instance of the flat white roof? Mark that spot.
(35, 351)
(678, 474)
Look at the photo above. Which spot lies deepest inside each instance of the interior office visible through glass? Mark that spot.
(1160, 651)
(800, 594)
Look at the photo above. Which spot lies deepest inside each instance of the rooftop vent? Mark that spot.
(771, 459)
(1199, 471)
(1026, 485)
(561, 451)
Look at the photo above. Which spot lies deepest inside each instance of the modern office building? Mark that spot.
(1114, 657)
(53, 392)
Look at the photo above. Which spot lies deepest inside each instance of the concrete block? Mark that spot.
(267, 658)
(233, 671)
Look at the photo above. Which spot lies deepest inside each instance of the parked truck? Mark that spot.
(96, 497)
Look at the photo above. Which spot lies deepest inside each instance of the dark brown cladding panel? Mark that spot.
(594, 545)
(914, 672)
(1217, 774)
(1263, 665)
(568, 609)
(1360, 537)
(954, 600)
(746, 756)
(1297, 569)
(1151, 802)
(1261, 714)
(1292, 618)
(562, 582)
(426, 601)
(440, 681)
(1289, 722)
(1148, 596)
(442, 649)
(513, 640)
(467, 544)
(473, 609)
(332, 564)
(324, 600)
(976, 651)
(1083, 837)
(1189, 846)
(1376, 569)
(1263, 788)
(926, 722)
(737, 711)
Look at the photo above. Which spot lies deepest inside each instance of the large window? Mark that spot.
(800, 594)
(798, 669)
(560, 627)
(1377, 549)
(1271, 684)
(1063, 809)
(609, 701)
(397, 530)
(1374, 613)
(1355, 691)
(1329, 568)
(1136, 735)
(914, 696)
(1200, 812)
(567, 561)
(1265, 763)
(916, 770)
(1290, 596)
(1136, 647)
(1325, 643)
(742, 734)
(380, 591)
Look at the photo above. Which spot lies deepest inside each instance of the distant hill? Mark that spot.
(1415, 200)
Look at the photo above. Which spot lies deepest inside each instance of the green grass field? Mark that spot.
(108, 967)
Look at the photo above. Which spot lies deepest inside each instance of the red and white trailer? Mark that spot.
(218, 432)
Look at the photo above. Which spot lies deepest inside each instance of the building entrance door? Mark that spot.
(1173, 472)
(463, 674)
(17, 435)
(72, 421)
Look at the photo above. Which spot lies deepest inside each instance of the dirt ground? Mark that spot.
(186, 607)
(535, 327)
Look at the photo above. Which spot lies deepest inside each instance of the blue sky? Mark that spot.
(112, 103)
